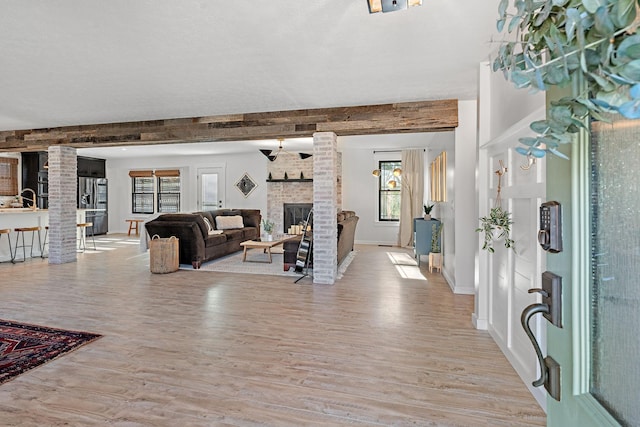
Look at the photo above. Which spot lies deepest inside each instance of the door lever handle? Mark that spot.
(527, 313)
(540, 291)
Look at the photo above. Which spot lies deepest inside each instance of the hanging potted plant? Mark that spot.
(495, 227)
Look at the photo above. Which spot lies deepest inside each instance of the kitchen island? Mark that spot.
(25, 217)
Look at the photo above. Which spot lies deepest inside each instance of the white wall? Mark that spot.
(503, 278)
(359, 191)
(235, 164)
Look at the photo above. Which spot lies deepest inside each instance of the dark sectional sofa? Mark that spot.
(196, 243)
(346, 223)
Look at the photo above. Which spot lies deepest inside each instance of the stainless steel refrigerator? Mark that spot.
(92, 195)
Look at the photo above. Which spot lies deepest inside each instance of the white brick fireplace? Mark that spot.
(293, 189)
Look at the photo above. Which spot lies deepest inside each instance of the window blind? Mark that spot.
(135, 174)
(8, 176)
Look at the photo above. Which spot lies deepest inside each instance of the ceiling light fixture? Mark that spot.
(391, 5)
(273, 155)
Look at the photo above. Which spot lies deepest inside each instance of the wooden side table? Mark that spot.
(133, 226)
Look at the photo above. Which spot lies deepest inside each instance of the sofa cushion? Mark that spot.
(250, 233)
(229, 222)
(235, 234)
(214, 240)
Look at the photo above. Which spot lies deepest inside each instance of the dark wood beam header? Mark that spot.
(409, 117)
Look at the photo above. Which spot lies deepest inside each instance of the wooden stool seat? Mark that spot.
(133, 226)
(23, 229)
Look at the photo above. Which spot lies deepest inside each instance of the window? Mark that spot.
(8, 176)
(142, 192)
(389, 188)
(168, 190)
(159, 189)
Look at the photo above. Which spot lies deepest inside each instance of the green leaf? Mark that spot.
(520, 79)
(630, 110)
(631, 70)
(557, 75)
(529, 141)
(634, 92)
(558, 153)
(502, 8)
(539, 126)
(514, 23)
(536, 152)
(572, 20)
(603, 23)
(500, 24)
(629, 47)
(561, 114)
(592, 5)
(624, 12)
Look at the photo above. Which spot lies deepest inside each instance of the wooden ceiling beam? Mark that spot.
(424, 116)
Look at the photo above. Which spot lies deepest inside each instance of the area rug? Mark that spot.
(233, 264)
(24, 347)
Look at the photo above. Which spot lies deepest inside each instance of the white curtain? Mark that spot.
(412, 194)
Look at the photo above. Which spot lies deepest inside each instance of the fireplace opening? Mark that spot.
(295, 214)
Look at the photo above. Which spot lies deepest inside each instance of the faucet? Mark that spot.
(34, 205)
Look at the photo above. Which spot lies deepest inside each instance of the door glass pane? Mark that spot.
(209, 194)
(615, 225)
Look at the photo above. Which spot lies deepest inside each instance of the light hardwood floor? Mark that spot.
(386, 345)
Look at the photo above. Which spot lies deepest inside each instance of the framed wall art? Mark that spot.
(246, 185)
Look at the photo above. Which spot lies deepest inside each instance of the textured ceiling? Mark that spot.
(94, 61)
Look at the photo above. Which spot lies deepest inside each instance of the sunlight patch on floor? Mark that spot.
(406, 265)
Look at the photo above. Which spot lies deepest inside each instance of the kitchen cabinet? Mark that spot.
(422, 233)
(35, 174)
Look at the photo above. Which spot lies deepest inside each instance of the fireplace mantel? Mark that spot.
(291, 180)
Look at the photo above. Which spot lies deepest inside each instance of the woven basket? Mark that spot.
(164, 254)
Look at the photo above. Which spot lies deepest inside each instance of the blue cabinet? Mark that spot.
(422, 232)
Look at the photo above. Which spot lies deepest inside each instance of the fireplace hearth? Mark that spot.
(295, 214)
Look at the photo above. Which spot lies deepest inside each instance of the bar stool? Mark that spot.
(83, 240)
(7, 231)
(44, 242)
(21, 231)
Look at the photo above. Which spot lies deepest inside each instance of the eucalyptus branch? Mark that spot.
(609, 65)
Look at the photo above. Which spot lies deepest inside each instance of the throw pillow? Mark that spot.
(229, 222)
(210, 229)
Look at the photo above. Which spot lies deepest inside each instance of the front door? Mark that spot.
(598, 347)
(211, 185)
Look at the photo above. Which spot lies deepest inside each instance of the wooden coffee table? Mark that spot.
(265, 246)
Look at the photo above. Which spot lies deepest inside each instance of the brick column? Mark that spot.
(63, 188)
(325, 202)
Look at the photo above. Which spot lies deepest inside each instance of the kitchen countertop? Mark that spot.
(29, 210)
(20, 210)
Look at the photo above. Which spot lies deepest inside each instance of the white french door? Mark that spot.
(597, 348)
(211, 188)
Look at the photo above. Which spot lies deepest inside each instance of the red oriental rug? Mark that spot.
(24, 346)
